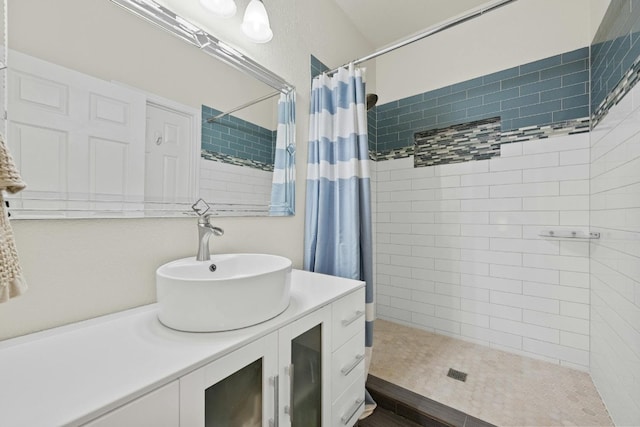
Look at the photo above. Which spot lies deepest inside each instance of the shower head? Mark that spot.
(372, 98)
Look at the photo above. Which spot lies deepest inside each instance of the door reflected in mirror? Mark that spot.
(112, 116)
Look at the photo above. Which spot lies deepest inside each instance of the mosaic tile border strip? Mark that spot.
(477, 140)
(224, 158)
(529, 133)
(623, 87)
(396, 153)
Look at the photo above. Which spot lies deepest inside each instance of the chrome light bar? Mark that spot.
(159, 15)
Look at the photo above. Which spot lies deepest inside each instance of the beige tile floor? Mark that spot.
(502, 388)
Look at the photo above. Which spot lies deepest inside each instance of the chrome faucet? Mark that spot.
(205, 230)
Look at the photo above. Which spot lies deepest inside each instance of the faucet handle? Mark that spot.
(200, 207)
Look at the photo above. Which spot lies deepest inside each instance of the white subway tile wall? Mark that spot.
(458, 251)
(226, 183)
(615, 260)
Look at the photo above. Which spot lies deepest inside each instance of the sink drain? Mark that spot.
(213, 268)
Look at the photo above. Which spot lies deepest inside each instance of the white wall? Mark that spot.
(598, 10)
(459, 253)
(615, 259)
(79, 269)
(521, 32)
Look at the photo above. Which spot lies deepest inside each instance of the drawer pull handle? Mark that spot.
(352, 411)
(347, 369)
(347, 322)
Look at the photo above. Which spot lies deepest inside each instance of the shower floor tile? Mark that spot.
(501, 388)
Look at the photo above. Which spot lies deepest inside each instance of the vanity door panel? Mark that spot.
(238, 389)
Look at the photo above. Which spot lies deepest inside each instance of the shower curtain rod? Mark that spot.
(430, 31)
(248, 104)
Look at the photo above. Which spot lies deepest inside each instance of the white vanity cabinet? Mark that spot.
(159, 408)
(293, 377)
(303, 368)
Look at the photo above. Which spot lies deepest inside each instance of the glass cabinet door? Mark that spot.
(236, 400)
(237, 390)
(306, 365)
(304, 353)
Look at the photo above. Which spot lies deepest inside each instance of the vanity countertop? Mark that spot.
(72, 374)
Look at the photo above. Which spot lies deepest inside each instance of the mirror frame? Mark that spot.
(154, 13)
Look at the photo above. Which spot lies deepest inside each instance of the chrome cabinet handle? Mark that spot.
(358, 315)
(289, 409)
(276, 401)
(352, 411)
(347, 369)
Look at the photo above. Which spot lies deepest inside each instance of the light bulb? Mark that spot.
(255, 24)
(223, 8)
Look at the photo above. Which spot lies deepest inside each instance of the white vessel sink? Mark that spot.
(228, 292)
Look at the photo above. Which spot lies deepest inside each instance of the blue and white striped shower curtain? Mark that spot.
(284, 177)
(338, 205)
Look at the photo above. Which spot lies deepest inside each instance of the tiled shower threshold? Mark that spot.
(399, 407)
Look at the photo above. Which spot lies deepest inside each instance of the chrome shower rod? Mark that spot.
(431, 31)
(248, 104)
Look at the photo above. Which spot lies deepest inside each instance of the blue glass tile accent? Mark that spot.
(502, 95)
(575, 101)
(484, 89)
(571, 79)
(448, 99)
(631, 55)
(520, 96)
(541, 64)
(521, 101)
(424, 124)
(387, 122)
(560, 70)
(542, 86)
(544, 107)
(573, 113)
(467, 103)
(317, 67)
(456, 117)
(501, 75)
(442, 109)
(407, 118)
(538, 120)
(467, 84)
(436, 93)
(520, 80)
(565, 92)
(486, 109)
(582, 53)
(613, 53)
(424, 105)
(411, 100)
(510, 114)
(237, 138)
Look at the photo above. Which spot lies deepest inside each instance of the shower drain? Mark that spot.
(457, 375)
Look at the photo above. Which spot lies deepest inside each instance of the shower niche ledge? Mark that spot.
(303, 367)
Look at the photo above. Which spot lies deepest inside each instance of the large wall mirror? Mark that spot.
(122, 109)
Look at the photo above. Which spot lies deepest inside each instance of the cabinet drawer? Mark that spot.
(349, 405)
(348, 317)
(347, 364)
